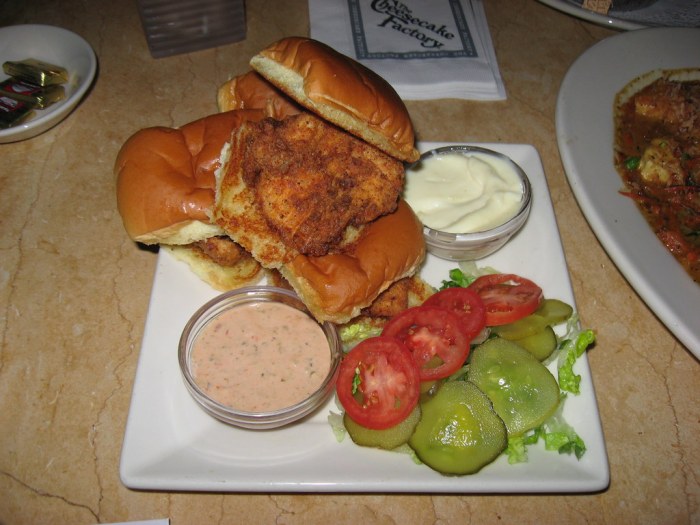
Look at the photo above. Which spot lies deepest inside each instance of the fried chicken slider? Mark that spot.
(312, 191)
(165, 193)
(316, 195)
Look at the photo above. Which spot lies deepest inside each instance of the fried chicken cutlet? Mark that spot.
(297, 186)
(222, 250)
(219, 261)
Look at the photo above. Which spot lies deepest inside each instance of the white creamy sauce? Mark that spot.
(463, 194)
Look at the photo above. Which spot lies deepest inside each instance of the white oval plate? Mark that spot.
(585, 129)
(660, 13)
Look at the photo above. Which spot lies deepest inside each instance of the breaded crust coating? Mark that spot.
(301, 184)
(312, 181)
(222, 250)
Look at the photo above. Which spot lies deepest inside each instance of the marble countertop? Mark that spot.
(74, 292)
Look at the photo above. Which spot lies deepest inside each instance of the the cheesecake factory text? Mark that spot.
(400, 18)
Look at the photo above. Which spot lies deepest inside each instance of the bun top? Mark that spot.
(251, 91)
(342, 91)
(166, 178)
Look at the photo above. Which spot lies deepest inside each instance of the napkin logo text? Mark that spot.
(410, 29)
(400, 18)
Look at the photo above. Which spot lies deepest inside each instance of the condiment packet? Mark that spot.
(38, 96)
(13, 112)
(36, 72)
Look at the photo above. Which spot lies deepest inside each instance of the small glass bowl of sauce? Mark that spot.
(255, 358)
(471, 200)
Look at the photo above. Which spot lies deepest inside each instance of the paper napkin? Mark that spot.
(426, 49)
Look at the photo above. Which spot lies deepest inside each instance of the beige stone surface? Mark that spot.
(74, 292)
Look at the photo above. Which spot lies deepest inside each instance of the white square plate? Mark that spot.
(171, 444)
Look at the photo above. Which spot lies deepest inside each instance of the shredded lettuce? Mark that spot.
(573, 346)
(465, 275)
(470, 268)
(560, 436)
(517, 446)
(354, 333)
(557, 434)
(458, 279)
(335, 420)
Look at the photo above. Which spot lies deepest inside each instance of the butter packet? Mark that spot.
(13, 112)
(36, 72)
(38, 96)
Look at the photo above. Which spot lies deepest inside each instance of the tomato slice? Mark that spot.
(378, 383)
(466, 304)
(435, 338)
(507, 297)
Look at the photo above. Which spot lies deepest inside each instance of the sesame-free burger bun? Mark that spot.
(251, 91)
(264, 186)
(166, 178)
(340, 90)
(336, 287)
(244, 271)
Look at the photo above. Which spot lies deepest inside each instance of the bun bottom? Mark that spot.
(223, 278)
(181, 233)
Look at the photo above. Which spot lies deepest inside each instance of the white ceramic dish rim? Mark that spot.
(584, 126)
(76, 87)
(171, 444)
(637, 19)
(591, 16)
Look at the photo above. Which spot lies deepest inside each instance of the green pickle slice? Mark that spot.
(525, 327)
(554, 311)
(389, 438)
(523, 391)
(534, 332)
(541, 345)
(459, 432)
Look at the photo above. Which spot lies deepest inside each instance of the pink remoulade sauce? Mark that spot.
(260, 357)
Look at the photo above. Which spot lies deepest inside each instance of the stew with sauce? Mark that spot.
(657, 153)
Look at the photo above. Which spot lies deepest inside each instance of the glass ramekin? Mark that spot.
(476, 245)
(231, 415)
